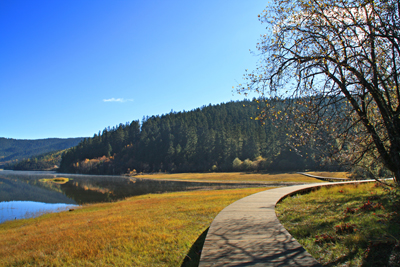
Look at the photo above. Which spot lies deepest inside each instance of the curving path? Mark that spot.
(248, 233)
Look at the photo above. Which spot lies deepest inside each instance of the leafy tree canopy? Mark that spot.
(336, 64)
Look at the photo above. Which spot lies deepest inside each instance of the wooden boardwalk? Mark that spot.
(248, 233)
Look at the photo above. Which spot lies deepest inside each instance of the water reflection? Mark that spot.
(12, 188)
(51, 187)
(26, 194)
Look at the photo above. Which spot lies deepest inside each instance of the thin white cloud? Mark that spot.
(121, 100)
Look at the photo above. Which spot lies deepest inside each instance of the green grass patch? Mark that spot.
(234, 177)
(352, 225)
(147, 230)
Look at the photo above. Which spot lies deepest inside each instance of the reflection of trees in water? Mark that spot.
(86, 194)
(33, 178)
(91, 189)
(14, 189)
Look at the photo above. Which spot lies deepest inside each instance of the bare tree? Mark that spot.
(337, 64)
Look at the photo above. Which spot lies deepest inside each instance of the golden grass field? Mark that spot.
(147, 230)
(236, 177)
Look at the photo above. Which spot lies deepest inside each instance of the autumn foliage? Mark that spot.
(335, 65)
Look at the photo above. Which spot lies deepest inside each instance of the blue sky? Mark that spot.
(72, 68)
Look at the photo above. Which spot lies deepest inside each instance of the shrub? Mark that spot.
(248, 165)
(237, 164)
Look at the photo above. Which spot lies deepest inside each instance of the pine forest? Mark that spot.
(220, 137)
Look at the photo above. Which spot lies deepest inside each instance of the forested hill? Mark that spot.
(13, 149)
(217, 138)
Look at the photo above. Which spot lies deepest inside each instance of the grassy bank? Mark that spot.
(332, 174)
(353, 225)
(148, 230)
(234, 177)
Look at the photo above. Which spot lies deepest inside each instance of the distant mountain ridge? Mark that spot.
(17, 149)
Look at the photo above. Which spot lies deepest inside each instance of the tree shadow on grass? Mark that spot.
(341, 260)
(192, 258)
(383, 254)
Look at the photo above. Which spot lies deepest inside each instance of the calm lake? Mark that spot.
(25, 194)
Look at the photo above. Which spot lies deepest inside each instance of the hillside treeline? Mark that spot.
(18, 149)
(212, 138)
(44, 162)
